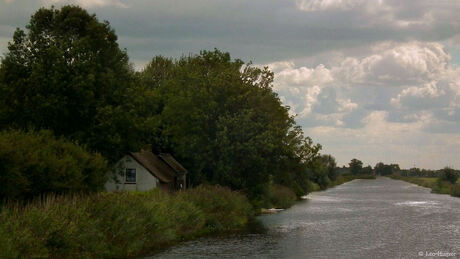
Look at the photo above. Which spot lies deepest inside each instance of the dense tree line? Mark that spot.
(219, 116)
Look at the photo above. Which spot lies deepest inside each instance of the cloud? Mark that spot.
(310, 94)
(322, 5)
(407, 144)
(89, 3)
(390, 99)
(403, 64)
(375, 12)
(261, 31)
(428, 96)
(419, 74)
(288, 74)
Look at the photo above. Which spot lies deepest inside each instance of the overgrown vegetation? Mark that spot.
(437, 185)
(36, 163)
(448, 174)
(117, 225)
(281, 197)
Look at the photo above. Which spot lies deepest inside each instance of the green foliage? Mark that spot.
(223, 121)
(117, 225)
(281, 197)
(437, 185)
(224, 210)
(66, 73)
(35, 163)
(383, 169)
(355, 166)
(331, 166)
(220, 117)
(448, 174)
(367, 170)
(319, 173)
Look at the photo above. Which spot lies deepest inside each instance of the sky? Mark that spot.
(377, 80)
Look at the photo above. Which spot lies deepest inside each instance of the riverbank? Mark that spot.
(282, 197)
(127, 224)
(349, 177)
(118, 225)
(380, 218)
(436, 186)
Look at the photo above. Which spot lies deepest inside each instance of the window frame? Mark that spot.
(126, 175)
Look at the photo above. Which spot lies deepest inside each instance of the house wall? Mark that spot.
(144, 179)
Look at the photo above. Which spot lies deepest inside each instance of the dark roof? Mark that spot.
(169, 159)
(154, 165)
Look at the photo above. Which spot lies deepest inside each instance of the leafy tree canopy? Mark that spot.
(223, 120)
(67, 73)
(448, 174)
(356, 166)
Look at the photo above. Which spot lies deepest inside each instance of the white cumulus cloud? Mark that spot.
(403, 64)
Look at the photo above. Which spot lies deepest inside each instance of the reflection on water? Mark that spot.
(380, 218)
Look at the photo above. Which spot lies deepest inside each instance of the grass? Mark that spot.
(436, 186)
(118, 225)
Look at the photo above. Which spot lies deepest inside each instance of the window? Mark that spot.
(130, 176)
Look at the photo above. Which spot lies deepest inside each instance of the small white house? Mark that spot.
(144, 171)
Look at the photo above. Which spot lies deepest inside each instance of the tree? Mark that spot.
(330, 164)
(383, 169)
(67, 73)
(319, 172)
(394, 168)
(448, 174)
(367, 170)
(221, 118)
(355, 166)
(36, 163)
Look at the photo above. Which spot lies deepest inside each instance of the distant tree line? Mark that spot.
(355, 167)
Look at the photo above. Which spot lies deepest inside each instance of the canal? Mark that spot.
(380, 218)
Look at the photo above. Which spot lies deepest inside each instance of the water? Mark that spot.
(380, 218)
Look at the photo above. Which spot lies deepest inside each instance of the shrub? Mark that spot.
(35, 163)
(281, 196)
(224, 209)
(448, 174)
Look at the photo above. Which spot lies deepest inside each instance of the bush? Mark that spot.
(224, 210)
(36, 163)
(281, 196)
